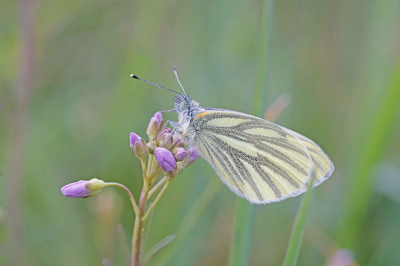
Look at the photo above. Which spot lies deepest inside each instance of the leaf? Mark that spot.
(296, 237)
(123, 242)
(239, 254)
(106, 262)
(160, 245)
(372, 144)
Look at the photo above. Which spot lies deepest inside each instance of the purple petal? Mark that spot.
(75, 190)
(155, 125)
(165, 159)
(158, 118)
(180, 154)
(134, 138)
(193, 154)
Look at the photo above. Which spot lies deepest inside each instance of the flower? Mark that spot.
(193, 155)
(179, 154)
(155, 125)
(83, 188)
(166, 161)
(165, 138)
(138, 145)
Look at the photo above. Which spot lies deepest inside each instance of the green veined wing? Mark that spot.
(259, 160)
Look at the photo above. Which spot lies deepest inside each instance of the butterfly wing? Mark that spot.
(257, 159)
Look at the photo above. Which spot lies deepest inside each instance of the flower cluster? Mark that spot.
(164, 152)
(168, 148)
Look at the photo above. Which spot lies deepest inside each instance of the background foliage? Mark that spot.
(339, 59)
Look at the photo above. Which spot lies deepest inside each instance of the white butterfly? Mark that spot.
(257, 159)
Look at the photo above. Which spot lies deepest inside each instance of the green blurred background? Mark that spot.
(68, 106)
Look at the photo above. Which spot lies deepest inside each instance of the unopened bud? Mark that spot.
(179, 154)
(83, 188)
(193, 155)
(166, 161)
(165, 138)
(155, 125)
(138, 145)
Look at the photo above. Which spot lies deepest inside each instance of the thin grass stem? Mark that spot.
(239, 254)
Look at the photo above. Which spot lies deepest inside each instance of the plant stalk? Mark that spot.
(139, 225)
(149, 176)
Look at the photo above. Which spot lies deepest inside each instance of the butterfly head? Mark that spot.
(185, 103)
(181, 103)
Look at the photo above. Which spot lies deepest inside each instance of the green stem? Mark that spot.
(143, 163)
(144, 219)
(149, 164)
(157, 186)
(133, 201)
(139, 225)
(154, 171)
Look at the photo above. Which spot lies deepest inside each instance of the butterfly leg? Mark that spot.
(167, 111)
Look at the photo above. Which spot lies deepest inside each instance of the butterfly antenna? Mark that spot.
(136, 77)
(177, 78)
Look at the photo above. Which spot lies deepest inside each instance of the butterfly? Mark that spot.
(256, 159)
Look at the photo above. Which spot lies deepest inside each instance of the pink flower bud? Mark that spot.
(179, 154)
(155, 125)
(83, 188)
(193, 155)
(138, 145)
(166, 161)
(165, 139)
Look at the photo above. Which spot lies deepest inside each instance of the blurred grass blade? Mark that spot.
(241, 242)
(383, 250)
(123, 242)
(296, 237)
(372, 145)
(259, 96)
(239, 254)
(195, 212)
(106, 262)
(160, 245)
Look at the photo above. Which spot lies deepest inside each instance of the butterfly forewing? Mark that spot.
(257, 159)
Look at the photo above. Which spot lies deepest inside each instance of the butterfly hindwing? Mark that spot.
(258, 160)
